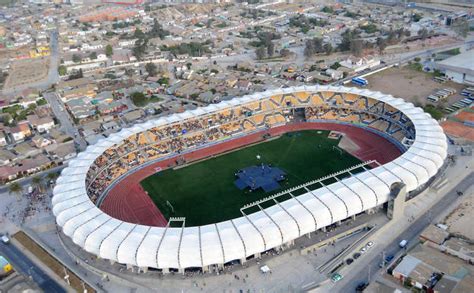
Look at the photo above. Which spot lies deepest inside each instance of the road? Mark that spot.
(410, 234)
(67, 125)
(25, 266)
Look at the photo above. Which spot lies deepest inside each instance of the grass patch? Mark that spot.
(433, 111)
(205, 193)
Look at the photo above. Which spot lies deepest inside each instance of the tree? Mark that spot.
(52, 176)
(423, 33)
(16, 189)
(76, 58)
(357, 47)
(129, 72)
(62, 70)
(309, 50)
(313, 46)
(347, 38)
(157, 30)
(461, 27)
(37, 182)
(109, 51)
(261, 53)
(93, 56)
(270, 49)
(151, 69)
(138, 34)
(140, 48)
(328, 48)
(139, 99)
(285, 52)
(382, 44)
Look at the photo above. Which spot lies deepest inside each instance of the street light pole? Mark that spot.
(368, 279)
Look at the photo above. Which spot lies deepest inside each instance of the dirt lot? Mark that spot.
(27, 71)
(409, 84)
(461, 219)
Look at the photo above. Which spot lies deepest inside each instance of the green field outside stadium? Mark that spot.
(205, 193)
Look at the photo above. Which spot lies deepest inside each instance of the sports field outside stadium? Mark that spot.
(204, 192)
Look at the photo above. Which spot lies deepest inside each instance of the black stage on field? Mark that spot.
(259, 176)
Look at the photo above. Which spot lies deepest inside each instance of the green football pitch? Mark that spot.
(204, 192)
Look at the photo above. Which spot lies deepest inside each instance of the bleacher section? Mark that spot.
(166, 140)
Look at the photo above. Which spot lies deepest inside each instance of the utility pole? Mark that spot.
(368, 279)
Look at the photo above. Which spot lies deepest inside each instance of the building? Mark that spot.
(238, 239)
(40, 124)
(358, 64)
(459, 68)
(21, 131)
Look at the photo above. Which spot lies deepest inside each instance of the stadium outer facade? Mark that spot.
(279, 225)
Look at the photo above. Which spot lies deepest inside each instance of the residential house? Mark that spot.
(79, 109)
(356, 64)
(20, 131)
(25, 149)
(112, 107)
(3, 140)
(62, 152)
(334, 74)
(244, 85)
(40, 142)
(6, 157)
(40, 124)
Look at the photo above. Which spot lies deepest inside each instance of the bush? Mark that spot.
(139, 99)
(433, 111)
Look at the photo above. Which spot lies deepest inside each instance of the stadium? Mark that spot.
(100, 204)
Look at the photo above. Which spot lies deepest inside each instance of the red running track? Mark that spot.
(127, 201)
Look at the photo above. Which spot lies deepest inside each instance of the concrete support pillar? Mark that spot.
(220, 266)
(205, 269)
(339, 223)
(258, 255)
(166, 271)
(308, 235)
(129, 267)
(323, 229)
(181, 271)
(242, 261)
(353, 217)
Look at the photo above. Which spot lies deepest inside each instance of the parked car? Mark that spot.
(336, 277)
(349, 261)
(369, 244)
(5, 239)
(356, 255)
(361, 287)
(363, 250)
(389, 258)
(403, 243)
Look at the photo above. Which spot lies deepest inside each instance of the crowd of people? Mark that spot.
(178, 137)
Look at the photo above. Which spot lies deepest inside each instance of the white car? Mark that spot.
(5, 239)
(369, 244)
(363, 250)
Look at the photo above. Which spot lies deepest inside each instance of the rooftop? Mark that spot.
(462, 62)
